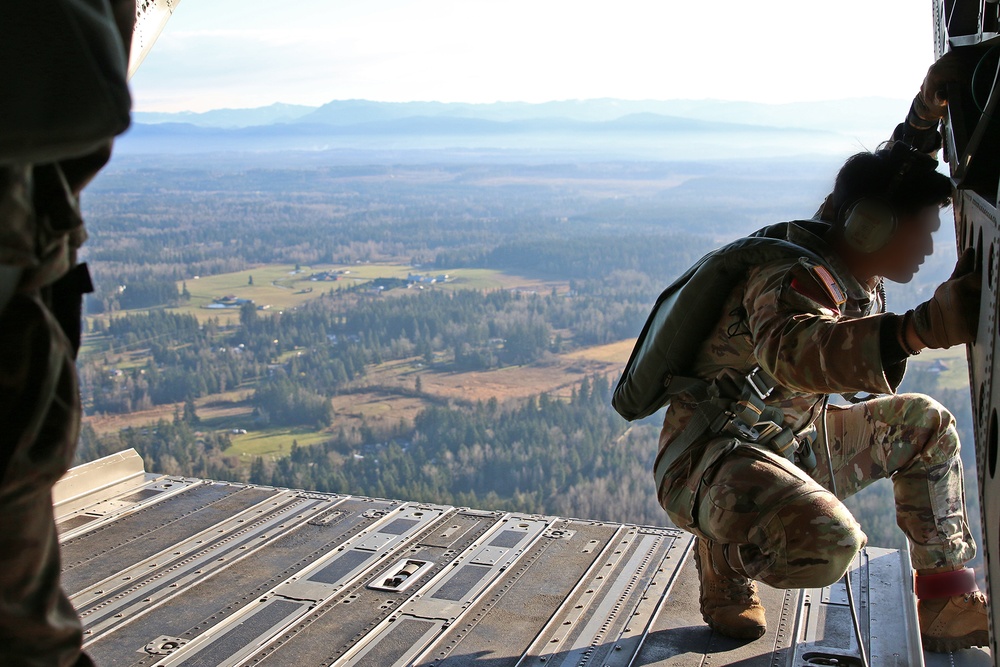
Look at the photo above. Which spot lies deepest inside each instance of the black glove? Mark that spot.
(951, 316)
(931, 103)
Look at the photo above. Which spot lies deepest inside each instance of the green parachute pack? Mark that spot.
(685, 314)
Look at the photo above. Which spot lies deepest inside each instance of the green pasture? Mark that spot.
(956, 375)
(276, 442)
(278, 286)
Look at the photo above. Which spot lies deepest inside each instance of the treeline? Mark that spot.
(658, 255)
(127, 285)
(570, 457)
(173, 447)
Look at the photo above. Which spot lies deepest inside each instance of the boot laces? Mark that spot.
(740, 589)
(976, 598)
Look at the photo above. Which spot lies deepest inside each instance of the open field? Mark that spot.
(111, 423)
(615, 353)
(557, 375)
(278, 286)
(274, 285)
(490, 279)
(281, 287)
(374, 409)
(274, 442)
(223, 411)
(954, 367)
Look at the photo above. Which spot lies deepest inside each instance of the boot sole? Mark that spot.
(755, 632)
(948, 644)
(749, 633)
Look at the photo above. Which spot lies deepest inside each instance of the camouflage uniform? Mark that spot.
(791, 530)
(39, 414)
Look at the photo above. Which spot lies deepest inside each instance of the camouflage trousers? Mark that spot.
(39, 425)
(790, 530)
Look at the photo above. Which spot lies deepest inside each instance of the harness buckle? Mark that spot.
(756, 381)
(766, 430)
(759, 433)
(742, 430)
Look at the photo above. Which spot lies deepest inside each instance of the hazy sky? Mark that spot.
(229, 53)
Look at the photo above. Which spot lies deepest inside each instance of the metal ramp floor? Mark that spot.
(187, 572)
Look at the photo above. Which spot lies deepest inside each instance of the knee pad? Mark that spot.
(809, 542)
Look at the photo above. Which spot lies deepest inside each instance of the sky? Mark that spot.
(248, 53)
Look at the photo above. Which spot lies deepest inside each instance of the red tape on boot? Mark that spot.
(946, 584)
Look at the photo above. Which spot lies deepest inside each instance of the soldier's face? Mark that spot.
(910, 245)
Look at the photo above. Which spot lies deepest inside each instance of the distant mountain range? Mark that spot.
(678, 129)
(228, 118)
(838, 115)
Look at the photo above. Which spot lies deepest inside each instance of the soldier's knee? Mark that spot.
(935, 422)
(821, 539)
(922, 411)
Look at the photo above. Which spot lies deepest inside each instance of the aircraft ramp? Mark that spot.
(190, 572)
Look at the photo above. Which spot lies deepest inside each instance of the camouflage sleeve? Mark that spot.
(801, 339)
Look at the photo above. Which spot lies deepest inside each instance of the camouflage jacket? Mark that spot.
(785, 317)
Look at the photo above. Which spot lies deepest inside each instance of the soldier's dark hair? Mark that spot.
(878, 175)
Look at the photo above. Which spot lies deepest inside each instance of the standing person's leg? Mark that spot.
(39, 425)
(911, 438)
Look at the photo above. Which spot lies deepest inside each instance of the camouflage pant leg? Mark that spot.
(791, 532)
(912, 439)
(39, 425)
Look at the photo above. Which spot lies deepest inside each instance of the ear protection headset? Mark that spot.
(870, 222)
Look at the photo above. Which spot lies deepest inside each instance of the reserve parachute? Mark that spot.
(684, 315)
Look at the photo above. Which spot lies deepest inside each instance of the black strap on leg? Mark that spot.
(65, 300)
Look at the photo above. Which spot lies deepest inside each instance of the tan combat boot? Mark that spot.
(729, 601)
(953, 623)
(951, 609)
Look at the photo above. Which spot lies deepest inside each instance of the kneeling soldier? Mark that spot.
(754, 486)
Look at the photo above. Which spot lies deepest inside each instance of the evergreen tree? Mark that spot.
(257, 473)
(190, 416)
